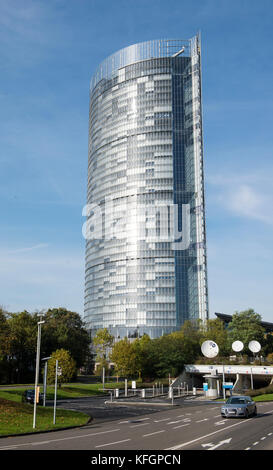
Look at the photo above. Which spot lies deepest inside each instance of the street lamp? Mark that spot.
(37, 369)
(46, 359)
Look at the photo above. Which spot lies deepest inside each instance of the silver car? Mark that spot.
(240, 406)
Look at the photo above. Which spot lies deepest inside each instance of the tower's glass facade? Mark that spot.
(146, 243)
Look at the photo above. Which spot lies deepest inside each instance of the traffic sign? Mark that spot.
(227, 385)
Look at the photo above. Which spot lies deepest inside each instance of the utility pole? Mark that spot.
(55, 394)
(45, 378)
(37, 370)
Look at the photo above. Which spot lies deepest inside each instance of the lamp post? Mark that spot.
(37, 369)
(45, 378)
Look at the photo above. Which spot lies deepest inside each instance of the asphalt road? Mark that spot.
(192, 425)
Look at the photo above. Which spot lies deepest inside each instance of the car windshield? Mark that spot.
(236, 401)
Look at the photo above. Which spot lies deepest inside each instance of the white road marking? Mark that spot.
(138, 425)
(65, 438)
(219, 423)
(212, 447)
(159, 420)
(263, 438)
(201, 420)
(255, 443)
(179, 421)
(179, 446)
(152, 433)
(40, 443)
(112, 443)
(181, 425)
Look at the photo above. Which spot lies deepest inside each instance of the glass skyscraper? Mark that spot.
(146, 269)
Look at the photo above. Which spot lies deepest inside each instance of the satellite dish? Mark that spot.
(254, 346)
(209, 348)
(237, 346)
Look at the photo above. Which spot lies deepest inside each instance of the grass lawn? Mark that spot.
(66, 391)
(72, 390)
(265, 397)
(17, 418)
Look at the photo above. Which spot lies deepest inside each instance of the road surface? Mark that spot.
(190, 426)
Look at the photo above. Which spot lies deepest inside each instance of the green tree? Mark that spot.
(245, 326)
(65, 362)
(4, 334)
(103, 342)
(124, 357)
(23, 340)
(64, 329)
(141, 347)
(215, 330)
(4, 347)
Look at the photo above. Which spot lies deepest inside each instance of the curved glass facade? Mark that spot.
(145, 168)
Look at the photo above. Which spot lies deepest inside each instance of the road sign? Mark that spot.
(227, 385)
(205, 387)
(133, 384)
(59, 371)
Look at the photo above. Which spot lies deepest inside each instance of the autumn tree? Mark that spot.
(65, 362)
(124, 357)
(103, 342)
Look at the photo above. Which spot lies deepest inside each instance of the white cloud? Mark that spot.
(244, 195)
(30, 248)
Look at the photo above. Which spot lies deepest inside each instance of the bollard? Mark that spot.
(116, 392)
(143, 393)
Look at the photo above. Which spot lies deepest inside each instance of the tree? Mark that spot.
(103, 342)
(64, 329)
(4, 334)
(269, 358)
(4, 346)
(23, 340)
(124, 356)
(245, 326)
(65, 362)
(215, 330)
(141, 347)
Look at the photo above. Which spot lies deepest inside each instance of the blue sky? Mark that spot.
(48, 52)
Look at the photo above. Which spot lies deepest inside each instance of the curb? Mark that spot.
(137, 403)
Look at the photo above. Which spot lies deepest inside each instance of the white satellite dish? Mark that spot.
(254, 346)
(237, 346)
(209, 348)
